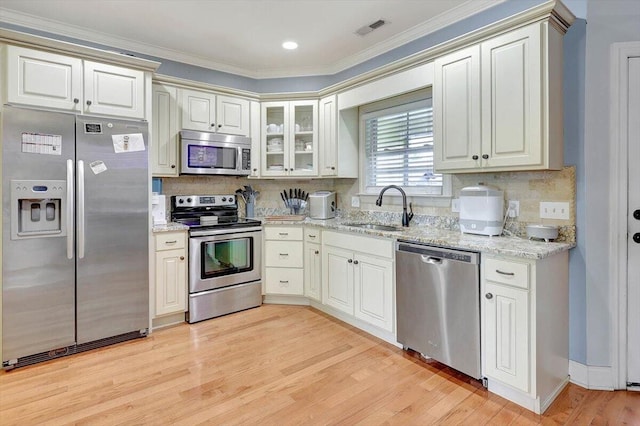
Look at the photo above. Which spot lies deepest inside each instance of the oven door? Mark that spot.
(223, 258)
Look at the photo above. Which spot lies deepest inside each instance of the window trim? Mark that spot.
(369, 110)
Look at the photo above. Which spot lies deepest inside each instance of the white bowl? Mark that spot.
(542, 232)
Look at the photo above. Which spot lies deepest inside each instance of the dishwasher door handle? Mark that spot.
(432, 260)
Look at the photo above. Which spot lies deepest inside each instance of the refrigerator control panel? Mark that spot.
(37, 208)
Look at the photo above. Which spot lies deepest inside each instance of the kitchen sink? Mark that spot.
(373, 226)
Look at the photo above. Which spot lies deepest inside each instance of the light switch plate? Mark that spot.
(355, 201)
(554, 210)
(455, 205)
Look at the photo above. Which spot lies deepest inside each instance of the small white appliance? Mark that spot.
(481, 210)
(322, 205)
(158, 209)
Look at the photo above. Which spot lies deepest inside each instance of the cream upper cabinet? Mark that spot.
(289, 143)
(328, 136)
(113, 90)
(164, 146)
(50, 80)
(208, 112)
(198, 110)
(497, 106)
(43, 79)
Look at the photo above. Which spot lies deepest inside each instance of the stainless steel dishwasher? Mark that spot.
(438, 304)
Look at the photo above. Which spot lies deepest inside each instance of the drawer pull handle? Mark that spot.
(489, 296)
(311, 236)
(284, 254)
(171, 242)
(284, 234)
(284, 282)
(509, 274)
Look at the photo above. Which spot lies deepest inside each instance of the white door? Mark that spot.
(171, 282)
(373, 281)
(198, 111)
(337, 278)
(232, 115)
(633, 264)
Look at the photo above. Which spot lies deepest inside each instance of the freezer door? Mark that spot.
(113, 228)
(38, 274)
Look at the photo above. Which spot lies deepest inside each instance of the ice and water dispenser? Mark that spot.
(37, 208)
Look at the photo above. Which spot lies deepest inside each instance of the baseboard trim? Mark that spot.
(591, 377)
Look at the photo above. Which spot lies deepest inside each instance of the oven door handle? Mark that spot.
(227, 231)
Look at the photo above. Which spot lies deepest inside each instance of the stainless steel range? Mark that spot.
(225, 252)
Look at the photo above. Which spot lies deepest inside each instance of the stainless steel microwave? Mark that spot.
(204, 153)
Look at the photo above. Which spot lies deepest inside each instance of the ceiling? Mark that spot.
(244, 37)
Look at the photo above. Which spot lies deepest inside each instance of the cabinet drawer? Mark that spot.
(282, 233)
(381, 247)
(283, 254)
(169, 241)
(506, 272)
(284, 281)
(312, 235)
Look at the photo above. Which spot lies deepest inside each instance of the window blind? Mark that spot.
(399, 147)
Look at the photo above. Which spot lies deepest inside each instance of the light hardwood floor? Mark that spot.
(274, 365)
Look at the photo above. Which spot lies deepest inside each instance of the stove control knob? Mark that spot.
(231, 199)
(189, 200)
(224, 199)
(180, 201)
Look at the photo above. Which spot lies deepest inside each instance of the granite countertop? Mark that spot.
(169, 227)
(508, 246)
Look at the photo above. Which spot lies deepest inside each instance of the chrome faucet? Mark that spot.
(406, 217)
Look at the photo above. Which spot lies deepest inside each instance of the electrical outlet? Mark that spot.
(355, 201)
(554, 210)
(514, 208)
(455, 205)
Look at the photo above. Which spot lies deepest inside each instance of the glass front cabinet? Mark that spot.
(289, 142)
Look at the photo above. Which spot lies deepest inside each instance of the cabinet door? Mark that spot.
(328, 136)
(337, 278)
(232, 115)
(456, 110)
(373, 281)
(198, 110)
(303, 139)
(312, 271)
(113, 90)
(43, 79)
(171, 281)
(512, 121)
(164, 146)
(275, 139)
(506, 335)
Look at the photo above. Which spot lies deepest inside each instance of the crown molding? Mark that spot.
(463, 11)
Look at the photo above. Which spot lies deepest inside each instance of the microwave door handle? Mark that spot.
(70, 209)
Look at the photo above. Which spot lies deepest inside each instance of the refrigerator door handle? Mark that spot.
(70, 209)
(80, 209)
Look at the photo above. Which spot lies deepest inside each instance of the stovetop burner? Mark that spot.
(222, 211)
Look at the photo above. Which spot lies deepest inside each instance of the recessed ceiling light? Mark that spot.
(290, 45)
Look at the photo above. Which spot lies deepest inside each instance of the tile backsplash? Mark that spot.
(529, 188)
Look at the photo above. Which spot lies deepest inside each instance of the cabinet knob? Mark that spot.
(255, 170)
(355, 262)
(333, 168)
(316, 252)
(350, 261)
(219, 125)
(485, 156)
(636, 237)
(489, 296)
(475, 157)
(286, 170)
(636, 214)
(173, 166)
(181, 257)
(76, 100)
(89, 103)
(213, 124)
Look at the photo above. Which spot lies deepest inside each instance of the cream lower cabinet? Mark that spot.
(525, 331)
(170, 273)
(498, 105)
(283, 258)
(358, 278)
(312, 264)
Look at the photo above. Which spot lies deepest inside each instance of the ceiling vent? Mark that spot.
(368, 28)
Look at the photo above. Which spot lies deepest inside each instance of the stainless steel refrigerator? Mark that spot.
(75, 226)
